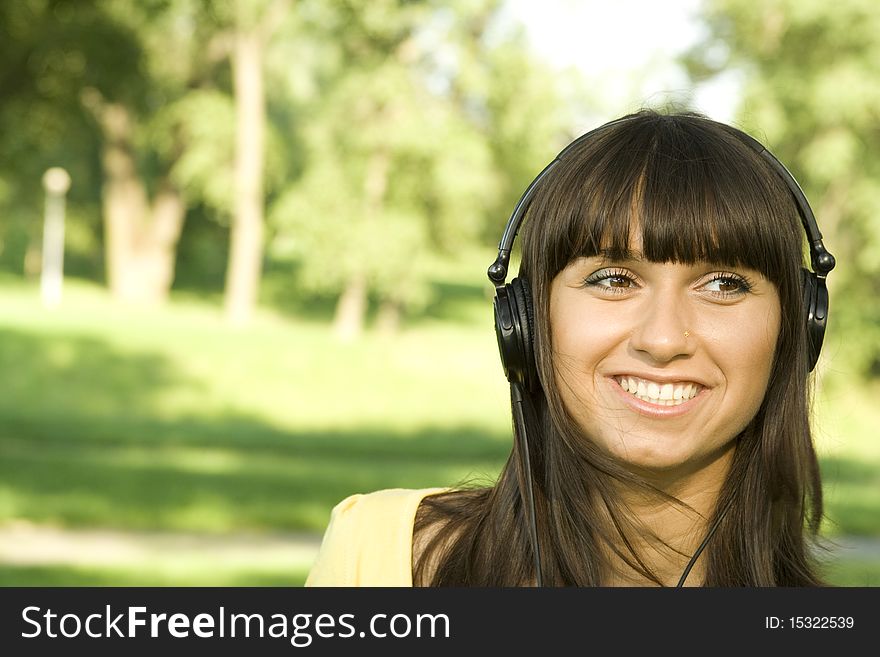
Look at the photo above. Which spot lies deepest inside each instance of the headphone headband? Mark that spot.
(821, 260)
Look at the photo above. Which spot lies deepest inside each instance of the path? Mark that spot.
(27, 544)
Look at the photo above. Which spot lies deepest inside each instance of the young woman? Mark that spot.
(658, 339)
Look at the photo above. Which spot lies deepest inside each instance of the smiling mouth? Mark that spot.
(659, 394)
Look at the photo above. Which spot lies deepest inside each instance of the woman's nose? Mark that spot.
(662, 332)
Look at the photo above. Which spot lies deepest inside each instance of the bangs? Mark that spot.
(692, 192)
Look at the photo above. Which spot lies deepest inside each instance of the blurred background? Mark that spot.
(243, 248)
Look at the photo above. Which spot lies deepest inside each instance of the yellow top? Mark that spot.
(369, 540)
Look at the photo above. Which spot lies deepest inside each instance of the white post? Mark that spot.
(56, 182)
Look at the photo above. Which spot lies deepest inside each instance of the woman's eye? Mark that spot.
(728, 285)
(611, 281)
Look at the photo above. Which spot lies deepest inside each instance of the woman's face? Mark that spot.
(662, 365)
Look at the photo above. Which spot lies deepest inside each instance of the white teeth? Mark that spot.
(666, 394)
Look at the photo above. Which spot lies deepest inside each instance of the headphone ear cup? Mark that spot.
(514, 323)
(506, 320)
(522, 298)
(816, 305)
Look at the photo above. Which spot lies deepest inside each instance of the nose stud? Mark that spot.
(687, 334)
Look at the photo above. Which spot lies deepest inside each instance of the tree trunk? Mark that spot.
(351, 309)
(140, 239)
(388, 317)
(348, 320)
(246, 247)
(167, 215)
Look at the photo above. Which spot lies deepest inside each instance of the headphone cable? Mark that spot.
(526, 478)
(702, 545)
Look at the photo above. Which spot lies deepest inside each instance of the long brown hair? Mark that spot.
(697, 193)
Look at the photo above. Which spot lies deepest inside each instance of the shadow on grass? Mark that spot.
(83, 443)
(224, 476)
(46, 376)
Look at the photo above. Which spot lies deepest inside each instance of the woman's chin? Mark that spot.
(664, 466)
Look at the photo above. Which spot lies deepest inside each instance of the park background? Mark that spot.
(278, 221)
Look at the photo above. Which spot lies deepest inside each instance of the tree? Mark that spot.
(143, 206)
(411, 148)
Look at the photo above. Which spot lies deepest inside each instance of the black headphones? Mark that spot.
(514, 313)
(515, 319)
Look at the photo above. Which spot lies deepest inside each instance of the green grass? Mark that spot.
(169, 419)
(855, 572)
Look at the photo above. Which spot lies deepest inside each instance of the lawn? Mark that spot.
(170, 420)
